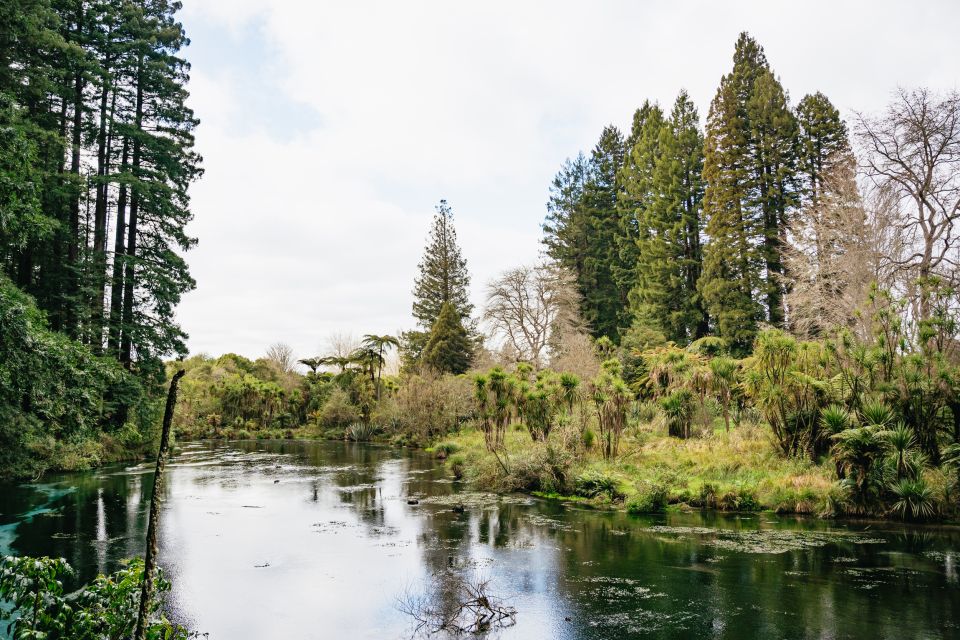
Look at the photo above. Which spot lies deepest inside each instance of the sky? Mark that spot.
(330, 131)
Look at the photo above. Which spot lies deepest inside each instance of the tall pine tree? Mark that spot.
(750, 173)
(99, 89)
(669, 257)
(443, 273)
(443, 280)
(582, 228)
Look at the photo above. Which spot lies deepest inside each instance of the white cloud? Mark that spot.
(321, 228)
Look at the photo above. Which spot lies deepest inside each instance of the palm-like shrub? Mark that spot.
(856, 452)
(875, 412)
(678, 409)
(361, 431)
(901, 443)
(914, 499)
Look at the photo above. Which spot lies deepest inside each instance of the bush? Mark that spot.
(338, 410)
(431, 406)
(445, 449)
(645, 412)
(740, 499)
(457, 464)
(915, 500)
(594, 483)
(589, 437)
(361, 432)
(650, 499)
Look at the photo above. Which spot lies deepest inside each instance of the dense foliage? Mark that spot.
(101, 610)
(96, 156)
(60, 405)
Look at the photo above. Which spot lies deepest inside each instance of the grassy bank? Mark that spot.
(739, 470)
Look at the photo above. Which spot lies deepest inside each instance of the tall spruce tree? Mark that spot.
(443, 273)
(565, 231)
(636, 178)
(669, 257)
(751, 177)
(582, 227)
(823, 143)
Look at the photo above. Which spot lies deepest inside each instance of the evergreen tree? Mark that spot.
(97, 91)
(449, 348)
(823, 143)
(443, 274)
(669, 256)
(750, 173)
(582, 227)
(773, 139)
(636, 179)
(565, 232)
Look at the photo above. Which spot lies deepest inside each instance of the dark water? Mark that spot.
(316, 540)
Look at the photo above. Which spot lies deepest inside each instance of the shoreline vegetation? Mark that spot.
(758, 313)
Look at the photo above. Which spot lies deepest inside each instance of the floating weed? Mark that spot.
(764, 541)
(332, 526)
(543, 521)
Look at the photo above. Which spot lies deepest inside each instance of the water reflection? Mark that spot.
(314, 540)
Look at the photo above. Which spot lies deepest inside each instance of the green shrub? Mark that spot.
(593, 483)
(444, 450)
(338, 410)
(914, 499)
(361, 432)
(650, 499)
(457, 464)
(589, 437)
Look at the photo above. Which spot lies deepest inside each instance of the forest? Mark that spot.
(96, 157)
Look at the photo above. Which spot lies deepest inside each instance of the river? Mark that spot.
(317, 540)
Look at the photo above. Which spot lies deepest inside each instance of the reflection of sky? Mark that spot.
(315, 540)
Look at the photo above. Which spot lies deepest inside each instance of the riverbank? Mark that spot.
(737, 470)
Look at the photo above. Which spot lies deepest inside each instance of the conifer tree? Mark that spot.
(565, 232)
(443, 273)
(449, 348)
(669, 257)
(750, 173)
(99, 90)
(582, 229)
(636, 178)
(823, 143)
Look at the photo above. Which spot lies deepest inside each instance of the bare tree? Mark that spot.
(340, 344)
(912, 151)
(526, 305)
(839, 247)
(281, 354)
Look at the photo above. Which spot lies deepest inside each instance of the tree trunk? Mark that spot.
(126, 341)
(150, 555)
(73, 242)
(116, 285)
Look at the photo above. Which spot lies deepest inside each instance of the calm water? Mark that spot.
(316, 540)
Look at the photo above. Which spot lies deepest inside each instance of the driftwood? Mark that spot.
(458, 605)
(150, 557)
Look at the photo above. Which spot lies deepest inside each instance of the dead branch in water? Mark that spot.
(456, 604)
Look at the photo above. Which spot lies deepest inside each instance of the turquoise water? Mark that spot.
(317, 540)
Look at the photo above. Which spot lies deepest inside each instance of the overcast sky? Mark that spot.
(330, 130)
